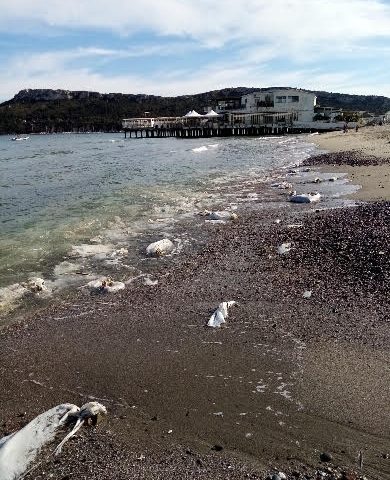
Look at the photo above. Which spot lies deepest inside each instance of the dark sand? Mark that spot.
(286, 378)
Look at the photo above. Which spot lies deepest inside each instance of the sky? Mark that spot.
(179, 47)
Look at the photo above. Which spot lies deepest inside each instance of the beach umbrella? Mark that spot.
(212, 114)
(193, 114)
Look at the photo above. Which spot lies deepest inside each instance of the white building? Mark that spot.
(296, 103)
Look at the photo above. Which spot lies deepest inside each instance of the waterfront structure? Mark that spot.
(298, 105)
(227, 104)
(151, 122)
(266, 111)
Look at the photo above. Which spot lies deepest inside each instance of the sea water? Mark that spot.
(85, 203)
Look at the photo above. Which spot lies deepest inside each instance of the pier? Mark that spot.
(218, 131)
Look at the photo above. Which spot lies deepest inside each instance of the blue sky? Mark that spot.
(176, 47)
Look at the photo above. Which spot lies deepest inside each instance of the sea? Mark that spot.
(75, 207)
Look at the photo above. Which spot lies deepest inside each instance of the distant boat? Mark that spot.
(17, 138)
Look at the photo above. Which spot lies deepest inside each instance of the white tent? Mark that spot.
(212, 114)
(192, 114)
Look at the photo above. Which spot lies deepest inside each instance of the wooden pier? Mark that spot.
(207, 132)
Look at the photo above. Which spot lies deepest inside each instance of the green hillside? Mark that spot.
(60, 110)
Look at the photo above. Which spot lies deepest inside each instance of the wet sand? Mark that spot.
(369, 150)
(286, 379)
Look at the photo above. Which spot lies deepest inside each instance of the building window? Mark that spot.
(293, 99)
(280, 99)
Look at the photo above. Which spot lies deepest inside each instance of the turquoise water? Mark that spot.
(60, 191)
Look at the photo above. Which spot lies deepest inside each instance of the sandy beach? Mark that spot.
(372, 174)
(297, 380)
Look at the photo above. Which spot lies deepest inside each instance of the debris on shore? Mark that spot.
(160, 248)
(220, 314)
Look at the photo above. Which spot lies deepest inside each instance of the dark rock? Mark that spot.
(217, 448)
(326, 457)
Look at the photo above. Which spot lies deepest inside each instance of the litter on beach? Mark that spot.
(282, 185)
(160, 248)
(304, 197)
(105, 285)
(19, 450)
(220, 314)
(222, 215)
(284, 248)
(89, 411)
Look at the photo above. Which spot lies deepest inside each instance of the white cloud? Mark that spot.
(51, 71)
(296, 22)
(258, 38)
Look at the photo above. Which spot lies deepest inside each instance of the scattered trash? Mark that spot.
(317, 180)
(277, 220)
(36, 284)
(304, 197)
(222, 215)
(89, 411)
(220, 314)
(284, 248)
(295, 225)
(105, 285)
(282, 185)
(160, 248)
(307, 294)
(19, 450)
(97, 239)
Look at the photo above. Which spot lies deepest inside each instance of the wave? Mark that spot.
(203, 148)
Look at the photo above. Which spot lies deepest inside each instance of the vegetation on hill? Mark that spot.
(60, 110)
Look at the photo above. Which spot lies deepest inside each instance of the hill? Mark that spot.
(41, 110)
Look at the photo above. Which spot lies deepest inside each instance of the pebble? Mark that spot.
(217, 448)
(326, 457)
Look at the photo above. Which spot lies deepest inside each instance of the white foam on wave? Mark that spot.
(18, 451)
(203, 148)
(66, 268)
(10, 295)
(87, 250)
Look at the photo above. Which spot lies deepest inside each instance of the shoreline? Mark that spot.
(372, 143)
(286, 378)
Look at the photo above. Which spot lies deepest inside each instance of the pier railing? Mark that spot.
(182, 131)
